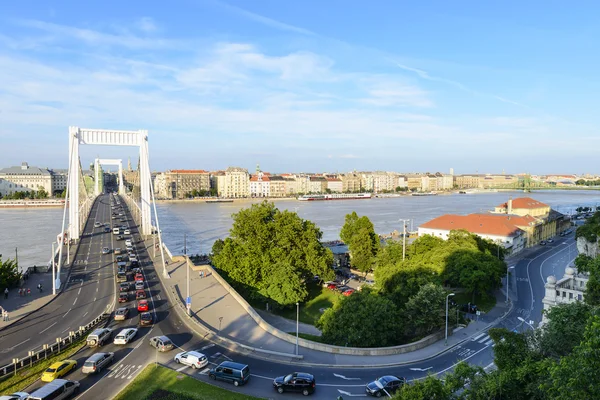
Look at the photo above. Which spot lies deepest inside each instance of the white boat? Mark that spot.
(335, 196)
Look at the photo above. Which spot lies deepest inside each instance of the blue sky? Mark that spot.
(306, 85)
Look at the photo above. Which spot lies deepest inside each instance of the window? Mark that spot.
(571, 296)
(564, 294)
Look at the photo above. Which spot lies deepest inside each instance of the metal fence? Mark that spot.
(50, 349)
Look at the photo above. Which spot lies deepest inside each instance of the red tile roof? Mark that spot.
(254, 178)
(524, 202)
(487, 224)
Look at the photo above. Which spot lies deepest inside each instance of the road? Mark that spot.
(89, 292)
(529, 273)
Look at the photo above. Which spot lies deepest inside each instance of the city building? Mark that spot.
(25, 179)
(59, 180)
(183, 182)
(260, 185)
(318, 184)
(501, 229)
(351, 182)
(569, 289)
(523, 206)
(236, 183)
(467, 181)
(334, 185)
(278, 186)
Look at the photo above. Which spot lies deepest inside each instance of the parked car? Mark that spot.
(342, 288)
(128, 243)
(332, 286)
(97, 362)
(299, 382)
(145, 319)
(192, 358)
(161, 343)
(388, 383)
(123, 297)
(58, 369)
(550, 240)
(125, 336)
(543, 242)
(140, 294)
(142, 305)
(348, 292)
(121, 314)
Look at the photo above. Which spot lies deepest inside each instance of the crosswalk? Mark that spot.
(123, 371)
(483, 338)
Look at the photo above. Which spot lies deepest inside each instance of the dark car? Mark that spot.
(120, 237)
(134, 263)
(145, 319)
(299, 382)
(124, 287)
(123, 297)
(385, 385)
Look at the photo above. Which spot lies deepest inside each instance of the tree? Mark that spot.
(429, 388)
(41, 193)
(426, 311)
(564, 330)
(9, 273)
(359, 234)
(363, 319)
(511, 349)
(272, 254)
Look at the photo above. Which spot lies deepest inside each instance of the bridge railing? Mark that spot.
(50, 349)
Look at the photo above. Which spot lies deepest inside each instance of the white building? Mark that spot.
(260, 185)
(237, 183)
(162, 188)
(59, 180)
(25, 179)
(569, 289)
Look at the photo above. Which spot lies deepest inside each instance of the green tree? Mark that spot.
(364, 319)
(272, 254)
(564, 330)
(429, 388)
(426, 311)
(359, 234)
(9, 273)
(41, 193)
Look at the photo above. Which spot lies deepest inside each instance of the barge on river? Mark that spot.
(335, 196)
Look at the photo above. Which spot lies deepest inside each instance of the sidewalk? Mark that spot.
(286, 325)
(213, 307)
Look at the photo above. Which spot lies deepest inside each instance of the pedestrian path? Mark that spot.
(212, 306)
(287, 325)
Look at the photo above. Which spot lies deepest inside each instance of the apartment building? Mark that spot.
(182, 182)
(569, 289)
(351, 182)
(468, 181)
(59, 180)
(335, 185)
(277, 186)
(318, 184)
(217, 181)
(25, 179)
(260, 185)
(236, 183)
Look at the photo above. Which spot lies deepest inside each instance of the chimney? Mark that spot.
(509, 209)
(24, 166)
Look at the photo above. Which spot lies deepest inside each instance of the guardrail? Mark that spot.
(49, 349)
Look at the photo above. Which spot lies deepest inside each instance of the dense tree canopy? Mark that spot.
(359, 234)
(425, 311)
(9, 273)
(271, 254)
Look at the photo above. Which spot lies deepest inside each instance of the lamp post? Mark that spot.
(187, 269)
(507, 271)
(447, 297)
(53, 273)
(404, 237)
(297, 324)
(522, 320)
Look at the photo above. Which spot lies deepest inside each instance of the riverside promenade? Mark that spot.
(214, 311)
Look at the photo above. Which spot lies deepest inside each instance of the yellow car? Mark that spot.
(58, 369)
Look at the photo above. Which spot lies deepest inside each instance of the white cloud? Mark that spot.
(146, 24)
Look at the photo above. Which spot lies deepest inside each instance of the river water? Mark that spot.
(33, 230)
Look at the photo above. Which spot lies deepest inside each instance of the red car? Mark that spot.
(348, 292)
(142, 305)
(332, 286)
(140, 294)
(139, 277)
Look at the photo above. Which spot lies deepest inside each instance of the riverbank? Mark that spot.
(31, 203)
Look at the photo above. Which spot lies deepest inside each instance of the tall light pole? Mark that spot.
(507, 281)
(187, 269)
(297, 324)
(522, 320)
(447, 297)
(53, 273)
(404, 221)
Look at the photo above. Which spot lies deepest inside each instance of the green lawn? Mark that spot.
(160, 383)
(318, 297)
(484, 304)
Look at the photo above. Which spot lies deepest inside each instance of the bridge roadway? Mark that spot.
(89, 291)
(331, 382)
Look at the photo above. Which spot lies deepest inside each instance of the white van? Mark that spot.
(58, 389)
(116, 231)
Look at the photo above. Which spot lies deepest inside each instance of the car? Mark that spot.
(121, 314)
(105, 250)
(140, 294)
(123, 297)
(121, 275)
(145, 319)
(142, 305)
(127, 232)
(125, 336)
(132, 257)
(128, 243)
(161, 343)
(326, 284)
(129, 248)
(97, 362)
(139, 277)
(342, 288)
(332, 286)
(299, 382)
(97, 224)
(543, 243)
(139, 285)
(58, 369)
(135, 264)
(348, 292)
(106, 229)
(136, 270)
(114, 217)
(550, 240)
(15, 396)
(98, 337)
(121, 214)
(117, 251)
(120, 237)
(124, 287)
(194, 359)
(385, 385)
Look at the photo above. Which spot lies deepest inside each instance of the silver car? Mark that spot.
(97, 362)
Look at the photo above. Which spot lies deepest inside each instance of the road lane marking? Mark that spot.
(477, 337)
(18, 344)
(48, 328)
(208, 346)
(485, 338)
(78, 293)
(85, 314)
(204, 371)
(181, 368)
(75, 300)
(489, 342)
(66, 313)
(66, 330)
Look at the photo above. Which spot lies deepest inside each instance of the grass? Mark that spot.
(27, 376)
(318, 297)
(484, 303)
(307, 336)
(160, 383)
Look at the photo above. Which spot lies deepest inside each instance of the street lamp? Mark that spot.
(507, 269)
(404, 237)
(447, 297)
(522, 320)
(297, 323)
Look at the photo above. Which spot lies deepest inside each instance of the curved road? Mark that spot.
(529, 276)
(89, 291)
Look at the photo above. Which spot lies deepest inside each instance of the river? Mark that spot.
(33, 230)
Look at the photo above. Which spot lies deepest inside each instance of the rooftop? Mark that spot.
(487, 224)
(524, 202)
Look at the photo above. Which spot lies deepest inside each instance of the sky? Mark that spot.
(306, 86)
